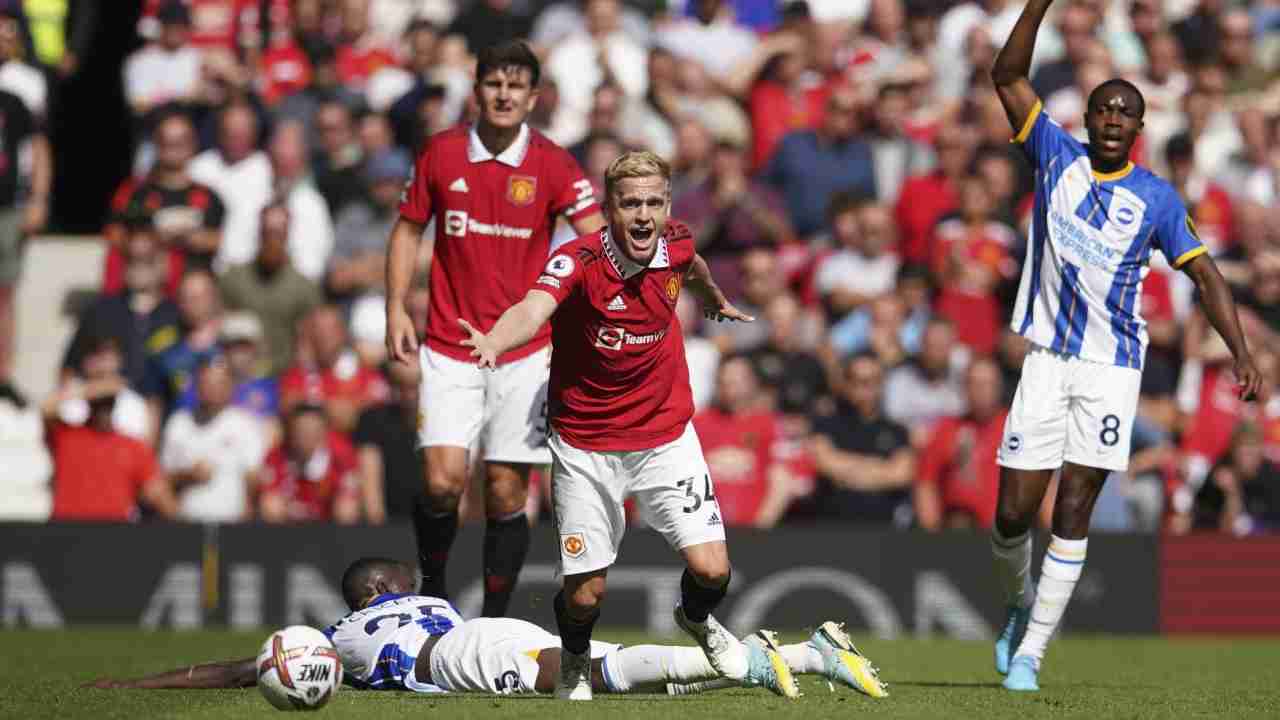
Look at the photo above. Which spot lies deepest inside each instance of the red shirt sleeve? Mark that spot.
(146, 469)
(680, 250)
(563, 272)
(415, 200)
(272, 481)
(936, 454)
(575, 198)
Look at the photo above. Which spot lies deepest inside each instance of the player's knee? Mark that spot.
(711, 571)
(584, 598)
(1012, 521)
(504, 498)
(444, 489)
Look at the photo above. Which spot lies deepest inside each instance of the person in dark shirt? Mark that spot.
(490, 22)
(170, 372)
(1242, 493)
(386, 440)
(865, 461)
(140, 317)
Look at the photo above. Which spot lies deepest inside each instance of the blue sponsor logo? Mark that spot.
(1125, 216)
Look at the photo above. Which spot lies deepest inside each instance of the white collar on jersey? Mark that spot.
(627, 267)
(512, 156)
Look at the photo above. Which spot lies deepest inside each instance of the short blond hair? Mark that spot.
(635, 164)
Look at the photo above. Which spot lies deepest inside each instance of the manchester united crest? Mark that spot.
(673, 288)
(521, 189)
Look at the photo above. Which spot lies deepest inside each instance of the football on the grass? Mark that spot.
(298, 669)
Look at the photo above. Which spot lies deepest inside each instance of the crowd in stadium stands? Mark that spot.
(845, 166)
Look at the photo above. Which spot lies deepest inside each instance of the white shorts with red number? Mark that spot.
(1070, 409)
(495, 655)
(670, 483)
(505, 408)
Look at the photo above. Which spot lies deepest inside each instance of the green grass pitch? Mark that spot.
(1085, 677)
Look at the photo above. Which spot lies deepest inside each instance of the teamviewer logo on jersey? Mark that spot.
(610, 338)
(455, 223)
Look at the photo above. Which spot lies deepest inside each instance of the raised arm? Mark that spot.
(227, 674)
(1221, 311)
(715, 306)
(516, 327)
(402, 253)
(1012, 69)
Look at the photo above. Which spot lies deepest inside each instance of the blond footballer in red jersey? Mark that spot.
(620, 407)
(495, 190)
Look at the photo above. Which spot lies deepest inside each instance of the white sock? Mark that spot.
(1058, 575)
(633, 668)
(1013, 568)
(803, 658)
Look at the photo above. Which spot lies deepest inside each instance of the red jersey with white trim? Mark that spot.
(494, 219)
(619, 380)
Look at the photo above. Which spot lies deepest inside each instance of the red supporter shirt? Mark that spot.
(346, 380)
(98, 475)
(739, 452)
(923, 201)
(312, 490)
(961, 460)
(619, 381)
(358, 62)
(1220, 410)
(494, 219)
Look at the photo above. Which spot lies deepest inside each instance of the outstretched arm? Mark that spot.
(1221, 311)
(715, 306)
(207, 676)
(1012, 69)
(516, 327)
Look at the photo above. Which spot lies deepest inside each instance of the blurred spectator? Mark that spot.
(187, 215)
(241, 175)
(607, 101)
(170, 372)
(925, 199)
(864, 460)
(1078, 24)
(386, 441)
(895, 154)
(329, 373)
(560, 19)
(581, 62)
(650, 121)
(792, 373)
(311, 231)
(692, 162)
(85, 486)
(102, 365)
(1242, 493)
(24, 486)
(730, 213)
(709, 38)
(139, 317)
(695, 95)
(1163, 84)
(1207, 202)
(212, 452)
(324, 87)
(1209, 121)
(738, 436)
(311, 476)
(972, 255)
(337, 162)
(809, 166)
(762, 281)
(358, 263)
(283, 66)
(369, 330)
(890, 326)
(702, 355)
(930, 387)
(21, 213)
(168, 70)
(1245, 77)
(491, 22)
(785, 96)
(959, 480)
(360, 52)
(240, 342)
(17, 76)
(863, 265)
(1198, 32)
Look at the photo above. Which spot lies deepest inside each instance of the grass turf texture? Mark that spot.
(1086, 677)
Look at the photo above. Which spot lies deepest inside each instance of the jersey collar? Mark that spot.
(512, 156)
(1108, 177)
(627, 267)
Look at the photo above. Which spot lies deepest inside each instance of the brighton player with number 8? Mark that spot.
(1098, 218)
(495, 190)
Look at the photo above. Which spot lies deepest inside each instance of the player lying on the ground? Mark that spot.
(394, 640)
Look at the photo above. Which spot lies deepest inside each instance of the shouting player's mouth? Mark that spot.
(641, 237)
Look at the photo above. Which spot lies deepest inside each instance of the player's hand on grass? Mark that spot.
(402, 339)
(481, 348)
(1248, 379)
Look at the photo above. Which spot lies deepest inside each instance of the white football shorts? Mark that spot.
(1070, 409)
(505, 409)
(495, 655)
(670, 483)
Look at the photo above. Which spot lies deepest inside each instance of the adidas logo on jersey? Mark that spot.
(616, 304)
(459, 185)
(714, 519)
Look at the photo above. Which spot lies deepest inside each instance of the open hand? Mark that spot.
(481, 349)
(402, 339)
(1248, 379)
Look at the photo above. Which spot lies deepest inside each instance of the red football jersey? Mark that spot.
(961, 460)
(739, 451)
(494, 219)
(347, 380)
(311, 491)
(619, 380)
